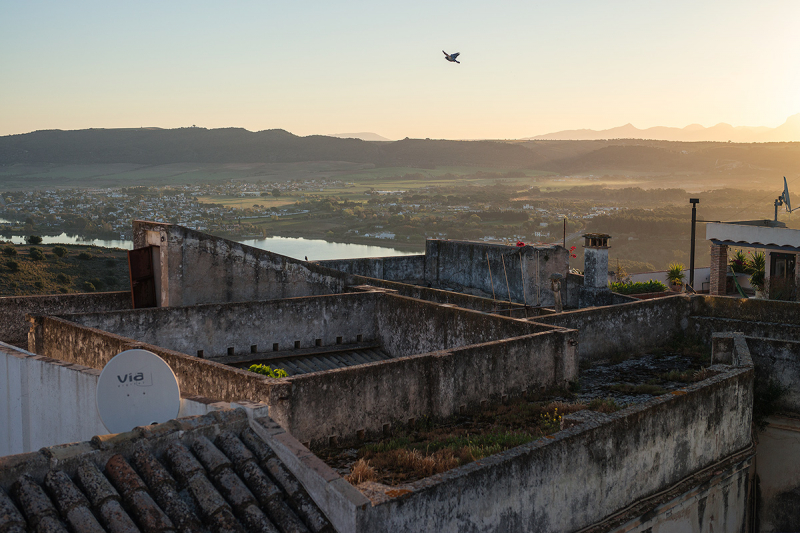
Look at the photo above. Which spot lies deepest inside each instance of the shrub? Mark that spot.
(266, 370)
(639, 287)
(738, 262)
(36, 254)
(756, 267)
(98, 284)
(88, 287)
(9, 250)
(39, 285)
(607, 405)
(62, 278)
(60, 251)
(85, 256)
(675, 273)
(34, 239)
(13, 266)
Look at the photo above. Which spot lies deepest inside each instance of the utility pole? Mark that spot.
(565, 232)
(694, 202)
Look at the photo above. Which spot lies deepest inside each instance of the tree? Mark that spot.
(60, 251)
(34, 239)
(276, 192)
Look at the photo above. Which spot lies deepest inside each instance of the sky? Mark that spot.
(527, 67)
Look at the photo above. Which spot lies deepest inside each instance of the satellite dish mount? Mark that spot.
(784, 199)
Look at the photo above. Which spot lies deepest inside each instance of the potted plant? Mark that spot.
(738, 264)
(675, 276)
(756, 267)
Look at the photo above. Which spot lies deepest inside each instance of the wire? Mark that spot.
(759, 200)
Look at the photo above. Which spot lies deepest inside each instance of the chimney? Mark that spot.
(595, 261)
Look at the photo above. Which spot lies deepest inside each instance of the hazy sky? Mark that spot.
(527, 68)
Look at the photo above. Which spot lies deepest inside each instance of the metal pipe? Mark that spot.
(694, 202)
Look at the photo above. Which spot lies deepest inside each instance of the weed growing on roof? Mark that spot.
(266, 370)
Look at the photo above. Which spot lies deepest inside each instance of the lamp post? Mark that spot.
(694, 202)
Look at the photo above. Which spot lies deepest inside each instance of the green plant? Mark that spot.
(738, 262)
(39, 285)
(756, 267)
(36, 254)
(266, 370)
(34, 239)
(675, 273)
(639, 287)
(85, 256)
(62, 278)
(60, 251)
(9, 250)
(12, 266)
(604, 405)
(88, 287)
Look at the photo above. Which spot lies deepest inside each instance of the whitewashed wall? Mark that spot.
(44, 402)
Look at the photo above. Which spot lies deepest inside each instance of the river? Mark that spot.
(297, 247)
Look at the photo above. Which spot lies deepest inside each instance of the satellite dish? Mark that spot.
(136, 388)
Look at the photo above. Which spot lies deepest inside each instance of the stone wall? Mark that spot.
(585, 473)
(630, 327)
(217, 328)
(198, 268)
(73, 343)
(464, 263)
(406, 326)
(778, 468)
(14, 327)
(397, 268)
(368, 397)
(49, 402)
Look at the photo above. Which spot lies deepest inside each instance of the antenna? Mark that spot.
(783, 199)
(136, 388)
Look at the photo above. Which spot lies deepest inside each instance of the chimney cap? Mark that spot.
(596, 240)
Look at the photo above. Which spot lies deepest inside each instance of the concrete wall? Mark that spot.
(73, 343)
(584, 473)
(48, 402)
(778, 468)
(214, 328)
(406, 326)
(630, 327)
(366, 397)
(779, 360)
(397, 268)
(198, 268)
(14, 327)
(464, 263)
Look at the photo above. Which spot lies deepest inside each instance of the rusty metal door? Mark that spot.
(143, 282)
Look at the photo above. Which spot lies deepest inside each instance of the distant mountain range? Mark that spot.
(364, 136)
(788, 131)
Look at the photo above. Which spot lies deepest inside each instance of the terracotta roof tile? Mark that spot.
(11, 520)
(161, 478)
(73, 505)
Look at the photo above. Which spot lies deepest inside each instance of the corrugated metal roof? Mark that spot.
(305, 364)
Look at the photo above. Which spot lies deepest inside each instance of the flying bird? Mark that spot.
(452, 57)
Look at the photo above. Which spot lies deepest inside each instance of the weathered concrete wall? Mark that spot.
(779, 360)
(719, 501)
(345, 401)
(630, 327)
(406, 326)
(73, 343)
(584, 473)
(464, 263)
(49, 402)
(214, 328)
(778, 468)
(14, 327)
(200, 268)
(397, 268)
(746, 309)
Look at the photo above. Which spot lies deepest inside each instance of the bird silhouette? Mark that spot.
(452, 57)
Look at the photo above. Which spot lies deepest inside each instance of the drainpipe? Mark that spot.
(694, 202)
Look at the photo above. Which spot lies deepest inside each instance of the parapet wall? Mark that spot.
(579, 476)
(218, 329)
(397, 268)
(630, 327)
(14, 327)
(375, 396)
(198, 268)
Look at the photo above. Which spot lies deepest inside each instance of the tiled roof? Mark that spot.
(201, 474)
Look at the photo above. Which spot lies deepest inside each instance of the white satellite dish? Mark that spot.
(136, 388)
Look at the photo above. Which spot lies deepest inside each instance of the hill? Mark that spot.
(236, 145)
